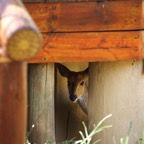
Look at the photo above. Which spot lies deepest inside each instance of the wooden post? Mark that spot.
(41, 103)
(117, 88)
(20, 40)
(13, 103)
(19, 36)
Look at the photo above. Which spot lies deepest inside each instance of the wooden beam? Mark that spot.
(99, 46)
(36, 1)
(13, 107)
(118, 43)
(19, 37)
(87, 16)
(142, 32)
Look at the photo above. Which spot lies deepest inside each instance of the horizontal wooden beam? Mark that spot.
(36, 1)
(94, 46)
(87, 16)
(84, 35)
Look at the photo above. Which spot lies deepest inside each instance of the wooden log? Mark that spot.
(19, 37)
(13, 99)
(41, 103)
(87, 16)
(98, 46)
(117, 88)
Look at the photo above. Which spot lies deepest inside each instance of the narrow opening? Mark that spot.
(69, 115)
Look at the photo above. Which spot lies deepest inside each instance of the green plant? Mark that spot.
(87, 137)
(125, 140)
(142, 138)
(68, 142)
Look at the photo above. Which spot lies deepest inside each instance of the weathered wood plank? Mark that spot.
(74, 47)
(13, 99)
(41, 103)
(142, 32)
(87, 16)
(35, 1)
(99, 46)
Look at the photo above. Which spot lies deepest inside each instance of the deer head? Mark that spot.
(76, 81)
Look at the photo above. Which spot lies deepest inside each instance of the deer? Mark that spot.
(77, 83)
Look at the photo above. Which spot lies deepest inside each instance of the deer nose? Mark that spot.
(73, 98)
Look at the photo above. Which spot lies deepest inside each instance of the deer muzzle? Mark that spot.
(73, 98)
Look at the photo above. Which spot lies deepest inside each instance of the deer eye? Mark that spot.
(82, 83)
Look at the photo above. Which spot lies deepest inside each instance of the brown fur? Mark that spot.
(77, 85)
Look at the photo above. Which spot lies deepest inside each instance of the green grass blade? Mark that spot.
(124, 140)
(85, 129)
(82, 135)
(96, 141)
(100, 123)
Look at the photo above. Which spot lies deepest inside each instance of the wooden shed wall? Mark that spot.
(92, 31)
(70, 26)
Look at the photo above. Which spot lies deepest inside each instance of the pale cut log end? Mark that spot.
(23, 45)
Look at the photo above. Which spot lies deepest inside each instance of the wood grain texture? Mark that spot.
(13, 107)
(35, 1)
(41, 103)
(74, 47)
(19, 37)
(87, 16)
(142, 32)
(80, 20)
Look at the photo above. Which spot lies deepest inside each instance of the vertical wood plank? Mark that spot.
(12, 103)
(41, 103)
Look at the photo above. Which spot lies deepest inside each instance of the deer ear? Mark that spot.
(64, 71)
